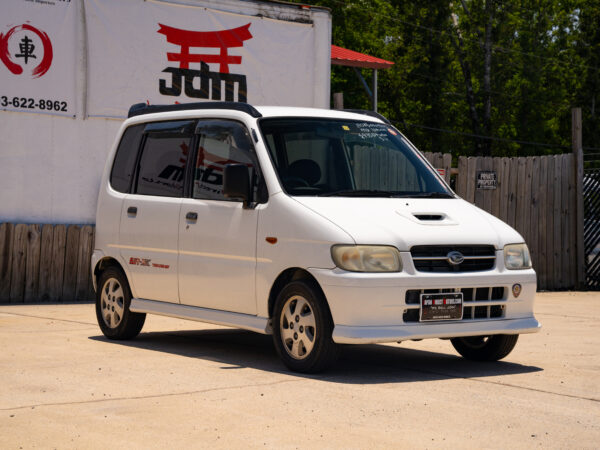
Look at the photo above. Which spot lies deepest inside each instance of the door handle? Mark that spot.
(193, 216)
(132, 211)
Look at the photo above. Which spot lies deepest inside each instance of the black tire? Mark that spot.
(485, 348)
(113, 299)
(304, 344)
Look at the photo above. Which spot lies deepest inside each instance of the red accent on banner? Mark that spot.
(42, 67)
(223, 40)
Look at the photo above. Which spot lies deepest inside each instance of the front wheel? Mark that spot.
(302, 328)
(112, 306)
(485, 348)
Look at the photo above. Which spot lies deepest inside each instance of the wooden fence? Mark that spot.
(45, 263)
(535, 195)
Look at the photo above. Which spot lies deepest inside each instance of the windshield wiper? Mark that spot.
(359, 193)
(427, 195)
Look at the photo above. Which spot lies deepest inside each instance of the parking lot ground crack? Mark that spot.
(497, 383)
(568, 316)
(48, 318)
(144, 397)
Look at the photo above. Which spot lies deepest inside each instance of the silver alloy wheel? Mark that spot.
(297, 327)
(112, 302)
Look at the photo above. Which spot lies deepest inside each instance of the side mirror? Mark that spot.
(236, 182)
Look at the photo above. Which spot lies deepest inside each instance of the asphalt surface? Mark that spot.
(187, 384)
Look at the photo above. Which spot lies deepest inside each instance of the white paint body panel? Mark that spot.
(227, 269)
(217, 256)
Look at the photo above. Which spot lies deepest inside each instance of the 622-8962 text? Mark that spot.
(32, 103)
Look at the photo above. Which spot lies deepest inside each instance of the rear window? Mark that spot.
(124, 163)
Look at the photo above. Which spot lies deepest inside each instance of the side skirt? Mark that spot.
(243, 321)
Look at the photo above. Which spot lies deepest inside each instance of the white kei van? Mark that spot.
(320, 227)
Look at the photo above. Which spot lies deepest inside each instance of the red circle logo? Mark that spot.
(26, 52)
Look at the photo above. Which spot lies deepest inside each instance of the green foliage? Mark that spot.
(545, 59)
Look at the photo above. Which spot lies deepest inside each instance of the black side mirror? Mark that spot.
(236, 182)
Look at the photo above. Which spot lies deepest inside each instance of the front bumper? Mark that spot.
(370, 307)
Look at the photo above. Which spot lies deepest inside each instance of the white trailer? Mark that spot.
(71, 70)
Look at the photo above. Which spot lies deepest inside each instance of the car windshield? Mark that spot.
(324, 157)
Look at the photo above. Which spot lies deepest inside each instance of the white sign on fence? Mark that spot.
(167, 53)
(37, 56)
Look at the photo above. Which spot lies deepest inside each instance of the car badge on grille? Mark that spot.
(455, 258)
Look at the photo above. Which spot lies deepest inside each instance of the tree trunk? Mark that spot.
(487, 77)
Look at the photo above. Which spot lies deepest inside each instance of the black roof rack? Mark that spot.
(142, 108)
(367, 112)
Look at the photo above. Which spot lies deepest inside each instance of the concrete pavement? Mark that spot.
(187, 384)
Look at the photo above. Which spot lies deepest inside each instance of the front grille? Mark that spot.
(473, 299)
(434, 258)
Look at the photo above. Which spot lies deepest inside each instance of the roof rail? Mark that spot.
(142, 108)
(368, 112)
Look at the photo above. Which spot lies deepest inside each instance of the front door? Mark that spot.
(217, 236)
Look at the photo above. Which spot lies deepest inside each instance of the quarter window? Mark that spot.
(124, 163)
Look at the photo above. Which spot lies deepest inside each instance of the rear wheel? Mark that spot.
(485, 348)
(113, 299)
(302, 328)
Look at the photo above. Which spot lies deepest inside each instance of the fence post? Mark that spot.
(578, 175)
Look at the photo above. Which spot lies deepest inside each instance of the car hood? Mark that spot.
(405, 222)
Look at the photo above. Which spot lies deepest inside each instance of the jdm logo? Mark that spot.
(209, 83)
(26, 47)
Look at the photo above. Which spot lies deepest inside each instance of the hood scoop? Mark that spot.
(429, 217)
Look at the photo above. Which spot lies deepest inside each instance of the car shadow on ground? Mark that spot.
(358, 364)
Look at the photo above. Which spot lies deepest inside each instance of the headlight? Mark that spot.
(516, 256)
(366, 258)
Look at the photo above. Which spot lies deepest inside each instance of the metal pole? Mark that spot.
(375, 90)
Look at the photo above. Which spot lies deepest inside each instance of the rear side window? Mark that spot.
(163, 160)
(124, 163)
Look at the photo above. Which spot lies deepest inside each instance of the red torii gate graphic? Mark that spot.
(223, 40)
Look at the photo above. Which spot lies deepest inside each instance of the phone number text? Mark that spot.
(33, 103)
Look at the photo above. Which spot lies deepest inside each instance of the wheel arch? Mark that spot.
(102, 265)
(287, 276)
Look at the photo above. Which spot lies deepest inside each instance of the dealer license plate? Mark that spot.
(444, 306)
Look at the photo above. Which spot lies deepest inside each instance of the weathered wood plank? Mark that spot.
(558, 260)
(71, 254)
(83, 262)
(520, 195)
(542, 218)
(58, 262)
(32, 265)
(447, 165)
(572, 182)
(511, 204)
(6, 249)
(479, 193)
(569, 263)
(504, 189)
(532, 239)
(488, 165)
(461, 178)
(498, 167)
(550, 227)
(19, 258)
(43, 293)
(527, 199)
(471, 175)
